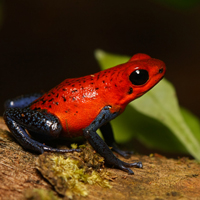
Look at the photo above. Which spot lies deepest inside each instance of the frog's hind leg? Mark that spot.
(21, 101)
(19, 120)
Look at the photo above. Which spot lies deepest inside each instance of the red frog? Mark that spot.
(79, 106)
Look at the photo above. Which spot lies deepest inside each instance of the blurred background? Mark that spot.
(43, 42)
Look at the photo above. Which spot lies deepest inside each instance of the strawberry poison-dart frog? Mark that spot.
(79, 106)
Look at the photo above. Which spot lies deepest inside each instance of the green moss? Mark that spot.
(40, 194)
(74, 146)
(75, 177)
(71, 173)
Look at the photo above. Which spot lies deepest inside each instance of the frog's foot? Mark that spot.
(34, 145)
(100, 146)
(135, 164)
(125, 154)
(50, 149)
(125, 166)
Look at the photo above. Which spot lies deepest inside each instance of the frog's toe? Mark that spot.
(135, 164)
(130, 172)
(125, 166)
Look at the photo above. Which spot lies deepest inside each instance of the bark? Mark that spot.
(161, 178)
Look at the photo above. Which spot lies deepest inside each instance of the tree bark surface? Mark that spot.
(160, 178)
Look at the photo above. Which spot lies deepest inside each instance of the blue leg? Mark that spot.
(19, 120)
(21, 101)
(108, 135)
(100, 146)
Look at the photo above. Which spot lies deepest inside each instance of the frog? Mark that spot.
(80, 106)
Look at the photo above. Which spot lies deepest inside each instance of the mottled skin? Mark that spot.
(79, 106)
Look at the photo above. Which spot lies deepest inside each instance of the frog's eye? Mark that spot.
(139, 77)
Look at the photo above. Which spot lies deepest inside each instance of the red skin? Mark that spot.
(78, 101)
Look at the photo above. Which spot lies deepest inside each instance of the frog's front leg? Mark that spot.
(108, 136)
(100, 146)
(21, 120)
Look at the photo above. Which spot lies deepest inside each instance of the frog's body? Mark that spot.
(79, 106)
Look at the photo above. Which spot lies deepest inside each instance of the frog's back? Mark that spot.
(77, 102)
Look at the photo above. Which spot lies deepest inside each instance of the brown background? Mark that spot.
(42, 42)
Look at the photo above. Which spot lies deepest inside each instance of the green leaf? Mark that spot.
(155, 119)
(192, 121)
(147, 130)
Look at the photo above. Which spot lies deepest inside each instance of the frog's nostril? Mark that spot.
(161, 71)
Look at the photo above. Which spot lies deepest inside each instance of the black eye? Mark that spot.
(139, 77)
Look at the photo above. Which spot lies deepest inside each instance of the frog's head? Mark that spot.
(141, 74)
